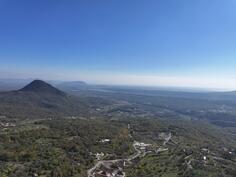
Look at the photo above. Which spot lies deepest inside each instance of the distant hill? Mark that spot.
(39, 100)
(39, 86)
(72, 85)
(16, 84)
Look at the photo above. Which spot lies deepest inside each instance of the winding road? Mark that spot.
(102, 162)
(138, 153)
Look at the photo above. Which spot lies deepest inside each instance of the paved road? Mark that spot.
(167, 139)
(101, 162)
(130, 158)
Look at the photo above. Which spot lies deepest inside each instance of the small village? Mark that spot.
(115, 168)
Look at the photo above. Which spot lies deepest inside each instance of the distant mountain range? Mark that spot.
(71, 85)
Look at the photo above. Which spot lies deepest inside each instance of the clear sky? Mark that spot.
(130, 42)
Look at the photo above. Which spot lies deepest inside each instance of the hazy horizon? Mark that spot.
(26, 80)
(162, 43)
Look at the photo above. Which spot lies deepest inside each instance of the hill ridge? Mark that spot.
(39, 86)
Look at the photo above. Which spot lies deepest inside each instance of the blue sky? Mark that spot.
(167, 42)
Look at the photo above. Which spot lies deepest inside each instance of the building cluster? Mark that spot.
(110, 170)
(7, 124)
(142, 146)
(106, 140)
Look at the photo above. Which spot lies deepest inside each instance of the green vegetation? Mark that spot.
(190, 143)
(66, 147)
(59, 147)
(47, 133)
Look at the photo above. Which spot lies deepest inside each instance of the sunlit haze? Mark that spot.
(121, 42)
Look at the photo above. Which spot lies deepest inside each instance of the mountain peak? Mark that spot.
(40, 86)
